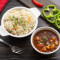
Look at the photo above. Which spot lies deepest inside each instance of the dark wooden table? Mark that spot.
(29, 53)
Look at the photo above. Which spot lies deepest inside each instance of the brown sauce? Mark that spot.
(46, 41)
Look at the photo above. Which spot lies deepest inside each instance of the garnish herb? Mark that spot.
(42, 41)
(14, 26)
(38, 42)
(13, 16)
(46, 43)
(11, 19)
(51, 43)
(16, 21)
(22, 21)
(16, 18)
(45, 38)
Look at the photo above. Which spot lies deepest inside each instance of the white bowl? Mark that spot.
(3, 31)
(45, 28)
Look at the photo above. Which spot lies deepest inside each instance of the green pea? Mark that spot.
(22, 21)
(24, 28)
(16, 18)
(13, 16)
(16, 22)
(11, 19)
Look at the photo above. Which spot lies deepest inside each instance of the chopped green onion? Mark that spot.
(13, 25)
(45, 38)
(16, 22)
(47, 43)
(24, 28)
(11, 19)
(51, 43)
(13, 16)
(16, 18)
(22, 21)
(42, 41)
(38, 41)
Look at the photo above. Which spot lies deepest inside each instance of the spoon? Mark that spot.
(14, 49)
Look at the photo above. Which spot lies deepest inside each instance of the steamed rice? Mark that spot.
(19, 22)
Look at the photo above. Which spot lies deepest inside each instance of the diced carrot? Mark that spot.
(44, 49)
(16, 27)
(40, 45)
(51, 41)
(53, 38)
(37, 38)
(29, 19)
(56, 43)
(48, 46)
(52, 46)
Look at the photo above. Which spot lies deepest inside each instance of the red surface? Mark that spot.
(2, 4)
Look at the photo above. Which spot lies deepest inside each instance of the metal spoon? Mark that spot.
(14, 49)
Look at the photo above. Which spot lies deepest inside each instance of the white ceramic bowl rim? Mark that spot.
(30, 9)
(45, 28)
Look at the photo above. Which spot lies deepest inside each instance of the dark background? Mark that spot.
(29, 53)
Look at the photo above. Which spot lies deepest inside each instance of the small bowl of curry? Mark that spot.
(45, 40)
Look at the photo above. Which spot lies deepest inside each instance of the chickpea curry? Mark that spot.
(46, 41)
